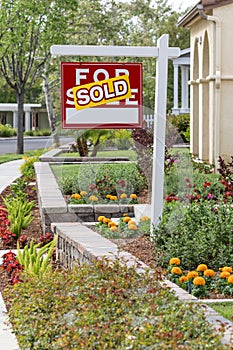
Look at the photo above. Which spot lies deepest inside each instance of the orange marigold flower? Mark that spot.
(132, 222)
(106, 220)
(183, 279)
(83, 193)
(144, 218)
(76, 196)
(192, 274)
(209, 273)
(202, 267)
(113, 228)
(132, 227)
(111, 223)
(93, 198)
(227, 269)
(101, 218)
(176, 271)
(224, 274)
(174, 261)
(113, 198)
(123, 196)
(108, 196)
(133, 196)
(230, 279)
(199, 281)
(126, 219)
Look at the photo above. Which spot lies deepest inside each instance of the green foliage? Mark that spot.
(27, 168)
(7, 131)
(103, 175)
(43, 132)
(19, 214)
(102, 306)
(195, 232)
(123, 139)
(36, 260)
(182, 124)
(225, 309)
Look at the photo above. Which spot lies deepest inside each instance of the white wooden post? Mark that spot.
(162, 52)
(159, 131)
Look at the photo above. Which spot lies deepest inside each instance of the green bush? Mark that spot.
(196, 233)
(98, 306)
(182, 124)
(42, 132)
(7, 130)
(103, 175)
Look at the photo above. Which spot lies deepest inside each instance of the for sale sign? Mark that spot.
(101, 95)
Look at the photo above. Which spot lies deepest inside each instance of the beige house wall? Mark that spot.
(212, 124)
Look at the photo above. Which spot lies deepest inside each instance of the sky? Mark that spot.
(182, 4)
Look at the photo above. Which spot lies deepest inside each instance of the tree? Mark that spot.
(28, 29)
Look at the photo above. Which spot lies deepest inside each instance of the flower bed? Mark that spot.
(202, 282)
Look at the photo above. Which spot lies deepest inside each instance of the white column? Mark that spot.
(27, 120)
(175, 108)
(15, 119)
(184, 88)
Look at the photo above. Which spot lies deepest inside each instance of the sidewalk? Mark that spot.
(8, 173)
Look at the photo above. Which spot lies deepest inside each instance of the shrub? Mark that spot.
(27, 168)
(7, 131)
(98, 306)
(194, 232)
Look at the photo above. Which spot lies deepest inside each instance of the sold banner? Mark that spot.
(101, 95)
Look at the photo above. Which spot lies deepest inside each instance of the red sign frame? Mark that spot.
(127, 113)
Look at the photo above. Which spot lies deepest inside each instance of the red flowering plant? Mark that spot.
(6, 236)
(12, 267)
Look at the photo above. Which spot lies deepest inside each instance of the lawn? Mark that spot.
(225, 309)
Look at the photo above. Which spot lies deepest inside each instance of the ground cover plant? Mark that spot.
(100, 179)
(103, 306)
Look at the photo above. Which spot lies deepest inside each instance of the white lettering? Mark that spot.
(100, 71)
(120, 87)
(79, 76)
(83, 97)
(121, 71)
(69, 94)
(96, 93)
(107, 93)
(128, 101)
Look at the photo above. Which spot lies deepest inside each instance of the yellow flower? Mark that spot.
(183, 279)
(101, 218)
(192, 274)
(133, 196)
(108, 196)
(93, 198)
(224, 274)
(123, 196)
(230, 279)
(132, 227)
(176, 271)
(113, 198)
(131, 222)
(174, 261)
(202, 267)
(113, 228)
(199, 281)
(144, 218)
(227, 269)
(106, 220)
(76, 196)
(83, 193)
(111, 223)
(126, 219)
(209, 273)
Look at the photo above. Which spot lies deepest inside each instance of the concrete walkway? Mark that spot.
(8, 173)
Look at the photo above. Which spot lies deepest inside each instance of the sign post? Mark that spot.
(162, 52)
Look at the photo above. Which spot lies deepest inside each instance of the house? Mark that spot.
(211, 79)
(35, 117)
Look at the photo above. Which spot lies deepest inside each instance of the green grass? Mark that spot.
(14, 156)
(225, 309)
(118, 153)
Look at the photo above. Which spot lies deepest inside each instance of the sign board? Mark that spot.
(101, 95)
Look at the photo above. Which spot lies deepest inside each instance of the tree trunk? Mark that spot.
(82, 146)
(20, 141)
(96, 146)
(50, 111)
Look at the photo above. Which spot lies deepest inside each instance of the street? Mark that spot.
(8, 145)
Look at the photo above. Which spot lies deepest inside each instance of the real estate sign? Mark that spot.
(101, 95)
